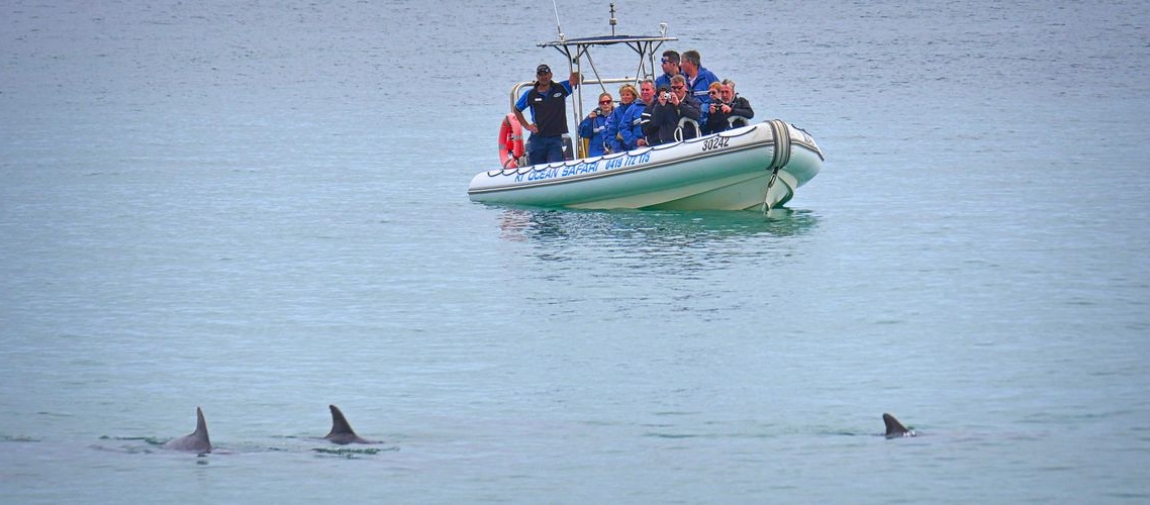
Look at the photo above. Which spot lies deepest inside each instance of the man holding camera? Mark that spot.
(548, 102)
(726, 105)
(670, 107)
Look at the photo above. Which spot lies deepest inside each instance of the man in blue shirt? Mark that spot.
(548, 102)
(670, 69)
(699, 80)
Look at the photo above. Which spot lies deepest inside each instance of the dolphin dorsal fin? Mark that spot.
(195, 441)
(339, 424)
(894, 428)
(201, 433)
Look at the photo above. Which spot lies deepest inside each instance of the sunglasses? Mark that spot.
(676, 87)
(604, 101)
(712, 92)
(665, 60)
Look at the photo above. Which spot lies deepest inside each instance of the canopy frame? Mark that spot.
(576, 50)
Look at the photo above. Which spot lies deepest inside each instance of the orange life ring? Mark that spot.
(510, 141)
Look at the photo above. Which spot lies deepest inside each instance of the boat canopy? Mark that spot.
(634, 41)
(578, 50)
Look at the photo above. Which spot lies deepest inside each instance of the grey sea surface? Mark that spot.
(261, 209)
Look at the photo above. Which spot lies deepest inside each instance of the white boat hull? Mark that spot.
(726, 171)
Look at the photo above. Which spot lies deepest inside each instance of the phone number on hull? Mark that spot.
(582, 168)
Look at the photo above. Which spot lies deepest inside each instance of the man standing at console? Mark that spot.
(548, 103)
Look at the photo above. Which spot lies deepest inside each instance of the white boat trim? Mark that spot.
(693, 174)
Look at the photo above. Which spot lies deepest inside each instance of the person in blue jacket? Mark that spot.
(699, 80)
(640, 112)
(670, 69)
(594, 127)
(621, 135)
(647, 94)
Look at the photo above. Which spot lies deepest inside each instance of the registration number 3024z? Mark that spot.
(715, 143)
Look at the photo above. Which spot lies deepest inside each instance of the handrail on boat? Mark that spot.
(687, 121)
(731, 120)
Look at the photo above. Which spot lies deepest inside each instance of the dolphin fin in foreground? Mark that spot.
(341, 432)
(197, 441)
(895, 429)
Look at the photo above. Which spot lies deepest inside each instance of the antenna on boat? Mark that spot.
(613, 20)
(558, 27)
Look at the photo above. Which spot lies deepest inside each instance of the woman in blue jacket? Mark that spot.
(594, 127)
(618, 128)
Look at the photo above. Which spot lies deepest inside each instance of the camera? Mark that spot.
(666, 95)
(598, 111)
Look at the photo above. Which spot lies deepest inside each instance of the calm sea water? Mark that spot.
(262, 210)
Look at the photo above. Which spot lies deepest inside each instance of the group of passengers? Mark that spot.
(652, 116)
(685, 90)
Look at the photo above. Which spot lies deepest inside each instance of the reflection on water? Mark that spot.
(673, 243)
(664, 228)
(624, 264)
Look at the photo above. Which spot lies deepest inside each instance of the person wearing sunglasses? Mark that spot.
(548, 103)
(671, 106)
(717, 111)
(595, 128)
(670, 69)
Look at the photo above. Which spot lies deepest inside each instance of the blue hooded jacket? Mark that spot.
(622, 131)
(595, 131)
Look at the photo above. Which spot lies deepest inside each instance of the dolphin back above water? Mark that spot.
(895, 429)
(341, 432)
(197, 441)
